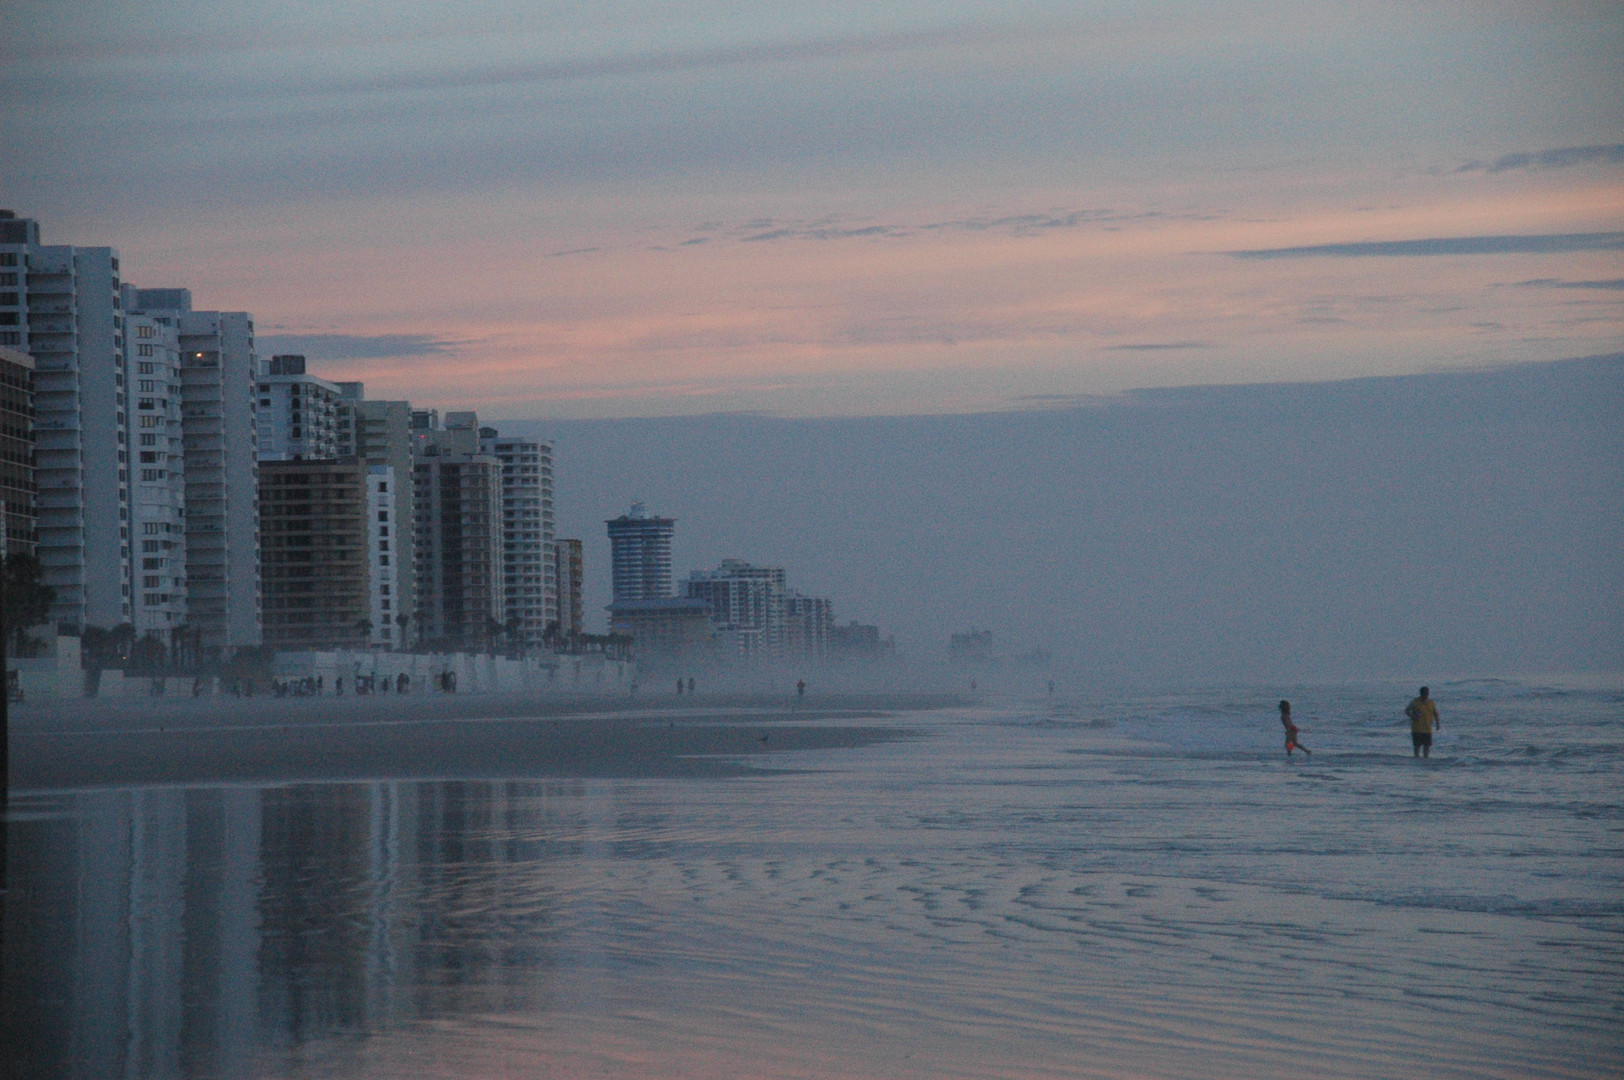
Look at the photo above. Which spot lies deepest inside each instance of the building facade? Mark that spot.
(458, 507)
(318, 531)
(640, 555)
(528, 573)
(568, 568)
(16, 451)
(62, 306)
(807, 622)
(157, 472)
(384, 530)
(380, 433)
(666, 628)
(221, 461)
(298, 415)
(747, 606)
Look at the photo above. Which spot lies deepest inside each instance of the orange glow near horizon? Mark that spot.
(640, 318)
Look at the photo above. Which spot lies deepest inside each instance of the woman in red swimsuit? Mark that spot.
(1291, 731)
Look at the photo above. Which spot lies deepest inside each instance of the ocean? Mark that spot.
(1116, 886)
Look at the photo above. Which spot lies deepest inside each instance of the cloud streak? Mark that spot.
(357, 346)
(1547, 244)
(1159, 346)
(1561, 158)
(1616, 284)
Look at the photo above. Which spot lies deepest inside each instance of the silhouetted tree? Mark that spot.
(28, 598)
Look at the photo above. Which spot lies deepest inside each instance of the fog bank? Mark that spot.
(1449, 524)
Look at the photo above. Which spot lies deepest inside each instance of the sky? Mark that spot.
(670, 207)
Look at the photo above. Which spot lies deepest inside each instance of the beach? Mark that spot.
(90, 743)
(1117, 886)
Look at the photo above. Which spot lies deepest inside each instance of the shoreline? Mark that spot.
(158, 742)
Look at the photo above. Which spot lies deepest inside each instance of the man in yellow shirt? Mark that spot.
(1423, 714)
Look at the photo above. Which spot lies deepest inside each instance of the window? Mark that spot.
(145, 331)
(149, 527)
(383, 515)
(151, 581)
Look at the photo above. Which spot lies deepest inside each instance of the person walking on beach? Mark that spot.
(1291, 731)
(1423, 714)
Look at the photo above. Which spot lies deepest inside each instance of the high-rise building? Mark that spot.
(319, 530)
(157, 471)
(807, 622)
(640, 555)
(528, 581)
(385, 529)
(457, 495)
(16, 451)
(380, 433)
(62, 305)
(298, 414)
(747, 606)
(567, 575)
(219, 439)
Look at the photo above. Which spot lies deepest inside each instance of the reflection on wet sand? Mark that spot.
(163, 932)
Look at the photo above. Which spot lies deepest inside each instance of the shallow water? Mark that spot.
(1065, 888)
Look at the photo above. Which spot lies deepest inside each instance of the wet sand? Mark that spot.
(81, 744)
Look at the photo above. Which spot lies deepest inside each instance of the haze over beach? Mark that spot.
(1224, 362)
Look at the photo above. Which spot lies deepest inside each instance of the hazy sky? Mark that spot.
(646, 208)
(1416, 527)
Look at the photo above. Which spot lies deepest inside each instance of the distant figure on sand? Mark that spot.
(1423, 714)
(1291, 731)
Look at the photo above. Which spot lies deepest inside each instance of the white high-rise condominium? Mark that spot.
(380, 433)
(62, 305)
(157, 471)
(299, 414)
(218, 384)
(529, 583)
(384, 554)
(747, 606)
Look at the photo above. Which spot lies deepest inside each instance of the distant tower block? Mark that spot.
(640, 555)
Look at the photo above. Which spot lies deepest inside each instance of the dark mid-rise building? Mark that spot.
(17, 451)
(567, 572)
(315, 568)
(460, 581)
